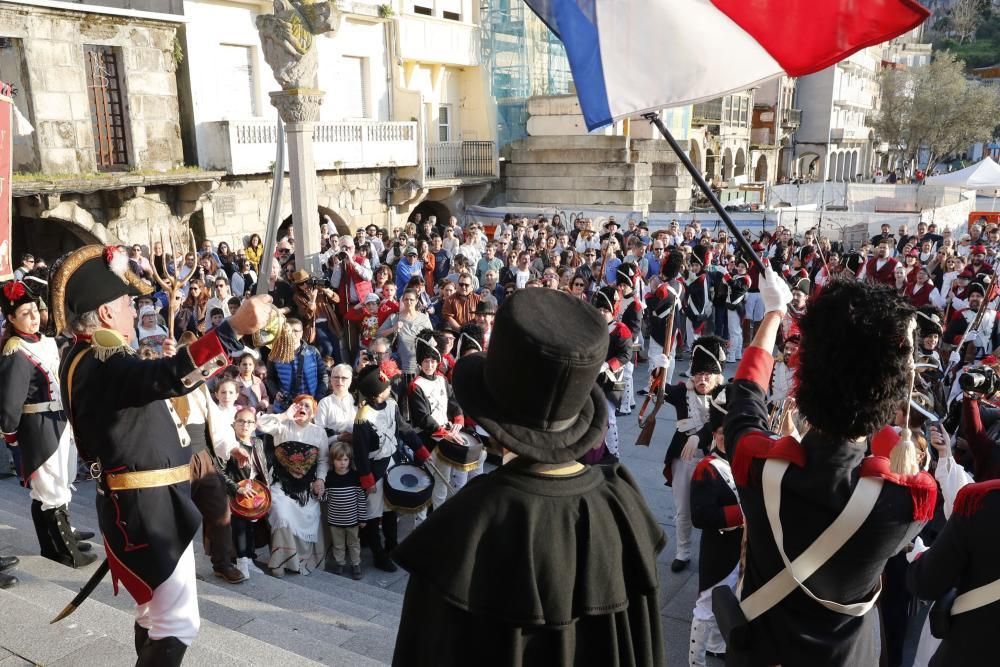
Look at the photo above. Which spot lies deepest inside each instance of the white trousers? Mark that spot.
(457, 478)
(376, 501)
(628, 395)
(735, 335)
(611, 437)
(173, 611)
(682, 471)
(50, 483)
(705, 635)
(655, 361)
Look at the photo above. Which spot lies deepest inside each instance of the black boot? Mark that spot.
(390, 529)
(61, 534)
(166, 652)
(7, 581)
(47, 548)
(382, 560)
(141, 635)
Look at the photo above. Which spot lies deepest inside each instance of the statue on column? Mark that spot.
(287, 38)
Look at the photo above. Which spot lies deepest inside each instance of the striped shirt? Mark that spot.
(346, 501)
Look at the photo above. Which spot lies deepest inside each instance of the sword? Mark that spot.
(85, 592)
(444, 480)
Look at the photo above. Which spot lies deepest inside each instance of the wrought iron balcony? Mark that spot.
(791, 118)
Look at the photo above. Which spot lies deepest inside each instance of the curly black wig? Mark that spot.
(853, 358)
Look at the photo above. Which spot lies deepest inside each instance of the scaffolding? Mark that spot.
(525, 59)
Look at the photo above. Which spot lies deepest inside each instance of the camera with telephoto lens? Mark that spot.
(318, 282)
(982, 380)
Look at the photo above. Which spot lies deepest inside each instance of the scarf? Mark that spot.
(296, 469)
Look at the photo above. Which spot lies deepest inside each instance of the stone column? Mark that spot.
(299, 109)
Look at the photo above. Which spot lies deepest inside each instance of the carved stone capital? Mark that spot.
(299, 105)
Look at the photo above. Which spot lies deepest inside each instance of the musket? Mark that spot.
(968, 352)
(647, 424)
(85, 592)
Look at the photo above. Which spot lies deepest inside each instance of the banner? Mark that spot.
(6, 167)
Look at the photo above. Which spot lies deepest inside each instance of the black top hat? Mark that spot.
(486, 306)
(535, 390)
(717, 409)
(708, 355)
(90, 277)
(427, 346)
(977, 288)
(371, 382)
(611, 222)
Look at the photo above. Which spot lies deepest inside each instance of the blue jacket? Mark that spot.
(305, 374)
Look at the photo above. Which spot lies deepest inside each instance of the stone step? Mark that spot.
(618, 169)
(578, 183)
(581, 197)
(567, 143)
(574, 156)
(554, 105)
(318, 620)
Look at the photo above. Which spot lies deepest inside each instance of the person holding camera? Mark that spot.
(304, 374)
(350, 277)
(822, 519)
(315, 305)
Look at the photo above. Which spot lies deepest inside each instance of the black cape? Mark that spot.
(525, 569)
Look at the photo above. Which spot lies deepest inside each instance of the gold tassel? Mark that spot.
(903, 457)
(12, 345)
(281, 347)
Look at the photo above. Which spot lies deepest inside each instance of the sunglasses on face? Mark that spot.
(246, 422)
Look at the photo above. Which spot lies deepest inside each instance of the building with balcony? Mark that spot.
(103, 161)
(835, 141)
(230, 124)
(439, 82)
(773, 126)
(720, 131)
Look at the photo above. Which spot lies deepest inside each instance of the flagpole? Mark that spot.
(654, 119)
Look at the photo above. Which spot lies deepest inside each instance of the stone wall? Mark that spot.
(239, 207)
(52, 43)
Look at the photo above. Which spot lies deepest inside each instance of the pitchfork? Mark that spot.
(172, 285)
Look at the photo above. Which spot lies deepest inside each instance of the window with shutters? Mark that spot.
(444, 123)
(235, 82)
(106, 93)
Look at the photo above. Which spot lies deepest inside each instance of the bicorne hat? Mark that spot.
(88, 278)
(535, 390)
(929, 321)
(708, 355)
(13, 295)
(427, 346)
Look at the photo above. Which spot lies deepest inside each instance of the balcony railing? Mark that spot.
(461, 159)
(247, 146)
(791, 118)
(707, 113)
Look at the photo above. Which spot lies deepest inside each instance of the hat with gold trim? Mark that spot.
(90, 277)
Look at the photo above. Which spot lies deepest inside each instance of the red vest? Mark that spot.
(362, 287)
(922, 296)
(883, 275)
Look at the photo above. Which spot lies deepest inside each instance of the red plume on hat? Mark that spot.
(14, 290)
(979, 249)
(14, 295)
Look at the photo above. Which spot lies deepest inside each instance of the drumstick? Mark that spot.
(447, 484)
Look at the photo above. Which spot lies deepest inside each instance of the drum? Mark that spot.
(254, 507)
(407, 488)
(464, 456)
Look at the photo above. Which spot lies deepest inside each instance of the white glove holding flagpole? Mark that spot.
(774, 292)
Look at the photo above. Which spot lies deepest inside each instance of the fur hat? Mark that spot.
(929, 321)
(534, 391)
(13, 295)
(626, 273)
(805, 253)
(853, 261)
(708, 355)
(701, 254)
(606, 298)
(371, 381)
(426, 346)
(977, 288)
(672, 266)
(470, 338)
(717, 407)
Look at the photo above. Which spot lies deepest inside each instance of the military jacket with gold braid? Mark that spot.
(122, 417)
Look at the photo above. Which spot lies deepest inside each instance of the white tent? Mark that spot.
(985, 174)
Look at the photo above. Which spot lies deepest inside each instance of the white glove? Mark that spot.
(690, 449)
(774, 292)
(954, 358)
(918, 548)
(659, 361)
(685, 425)
(969, 336)
(605, 368)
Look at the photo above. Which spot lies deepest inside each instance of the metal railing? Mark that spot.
(707, 112)
(791, 118)
(461, 159)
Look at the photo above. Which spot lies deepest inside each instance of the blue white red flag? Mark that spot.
(633, 56)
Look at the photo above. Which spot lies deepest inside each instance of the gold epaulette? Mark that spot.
(12, 345)
(106, 343)
(779, 358)
(362, 414)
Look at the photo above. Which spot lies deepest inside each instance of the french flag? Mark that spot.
(633, 56)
